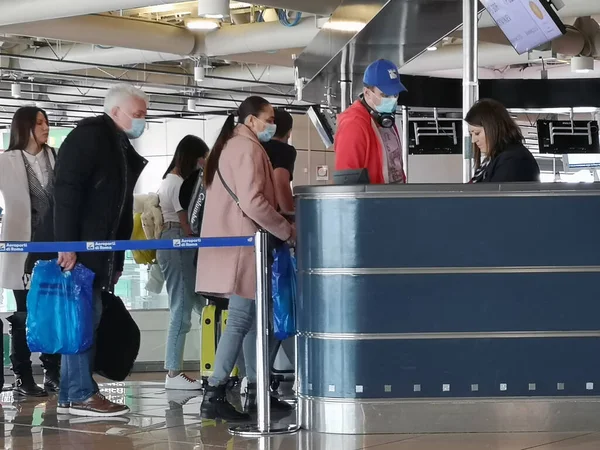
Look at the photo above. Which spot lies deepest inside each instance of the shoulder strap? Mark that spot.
(235, 198)
(228, 189)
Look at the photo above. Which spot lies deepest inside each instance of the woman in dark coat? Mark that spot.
(500, 155)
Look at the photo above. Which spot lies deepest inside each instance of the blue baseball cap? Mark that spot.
(383, 74)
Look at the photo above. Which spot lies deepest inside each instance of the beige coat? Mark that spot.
(16, 222)
(246, 169)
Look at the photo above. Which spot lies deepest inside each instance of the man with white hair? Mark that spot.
(95, 175)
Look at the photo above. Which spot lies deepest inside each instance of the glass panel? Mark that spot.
(131, 288)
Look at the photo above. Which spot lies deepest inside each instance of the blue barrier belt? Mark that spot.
(118, 246)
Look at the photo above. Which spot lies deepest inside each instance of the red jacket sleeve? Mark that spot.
(351, 144)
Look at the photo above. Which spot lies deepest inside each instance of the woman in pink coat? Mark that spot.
(239, 161)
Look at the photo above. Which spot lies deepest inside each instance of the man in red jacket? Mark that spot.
(367, 137)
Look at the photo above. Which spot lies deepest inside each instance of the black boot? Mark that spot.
(277, 405)
(51, 365)
(20, 357)
(216, 406)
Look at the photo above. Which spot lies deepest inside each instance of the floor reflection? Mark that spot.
(170, 420)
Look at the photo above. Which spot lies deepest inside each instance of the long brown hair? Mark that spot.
(23, 125)
(189, 150)
(501, 130)
(252, 106)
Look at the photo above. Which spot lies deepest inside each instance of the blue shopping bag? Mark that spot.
(284, 293)
(60, 309)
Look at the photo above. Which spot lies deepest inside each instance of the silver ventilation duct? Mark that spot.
(398, 30)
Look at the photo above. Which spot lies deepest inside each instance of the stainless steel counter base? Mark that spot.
(574, 414)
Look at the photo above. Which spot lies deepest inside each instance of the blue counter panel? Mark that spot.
(448, 232)
(448, 303)
(450, 368)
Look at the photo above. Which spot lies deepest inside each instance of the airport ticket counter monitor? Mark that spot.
(449, 308)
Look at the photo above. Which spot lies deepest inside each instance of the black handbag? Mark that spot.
(117, 341)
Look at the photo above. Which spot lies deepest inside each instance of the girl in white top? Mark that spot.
(26, 183)
(178, 265)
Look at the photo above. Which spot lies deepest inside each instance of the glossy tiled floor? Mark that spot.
(161, 420)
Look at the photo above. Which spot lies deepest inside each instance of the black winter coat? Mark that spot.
(513, 164)
(95, 174)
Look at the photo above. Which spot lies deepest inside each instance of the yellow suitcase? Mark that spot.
(214, 322)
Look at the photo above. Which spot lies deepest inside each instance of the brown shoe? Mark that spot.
(98, 406)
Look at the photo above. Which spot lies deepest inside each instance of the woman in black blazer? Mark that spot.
(500, 155)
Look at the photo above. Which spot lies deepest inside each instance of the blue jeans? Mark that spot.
(76, 373)
(180, 275)
(240, 331)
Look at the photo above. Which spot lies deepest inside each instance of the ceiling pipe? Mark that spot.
(522, 73)
(227, 78)
(255, 73)
(86, 55)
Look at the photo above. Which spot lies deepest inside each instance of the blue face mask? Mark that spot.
(267, 134)
(138, 126)
(387, 105)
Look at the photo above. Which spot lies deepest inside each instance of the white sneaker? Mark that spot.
(182, 383)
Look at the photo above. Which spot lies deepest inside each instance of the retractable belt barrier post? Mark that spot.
(263, 367)
(259, 242)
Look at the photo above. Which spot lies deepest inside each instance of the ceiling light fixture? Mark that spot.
(15, 90)
(201, 24)
(582, 64)
(344, 25)
(213, 9)
(240, 5)
(191, 104)
(432, 48)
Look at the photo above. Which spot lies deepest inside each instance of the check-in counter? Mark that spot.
(449, 308)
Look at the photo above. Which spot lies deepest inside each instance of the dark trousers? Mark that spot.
(20, 355)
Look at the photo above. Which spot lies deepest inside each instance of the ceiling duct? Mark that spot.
(111, 31)
(213, 9)
(450, 57)
(257, 37)
(398, 30)
(579, 39)
(572, 8)
(131, 45)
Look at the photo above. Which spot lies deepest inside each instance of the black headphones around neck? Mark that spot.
(384, 120)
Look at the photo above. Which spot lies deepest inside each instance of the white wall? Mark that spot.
(435, 168)
(312, 154)
(160, 140)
